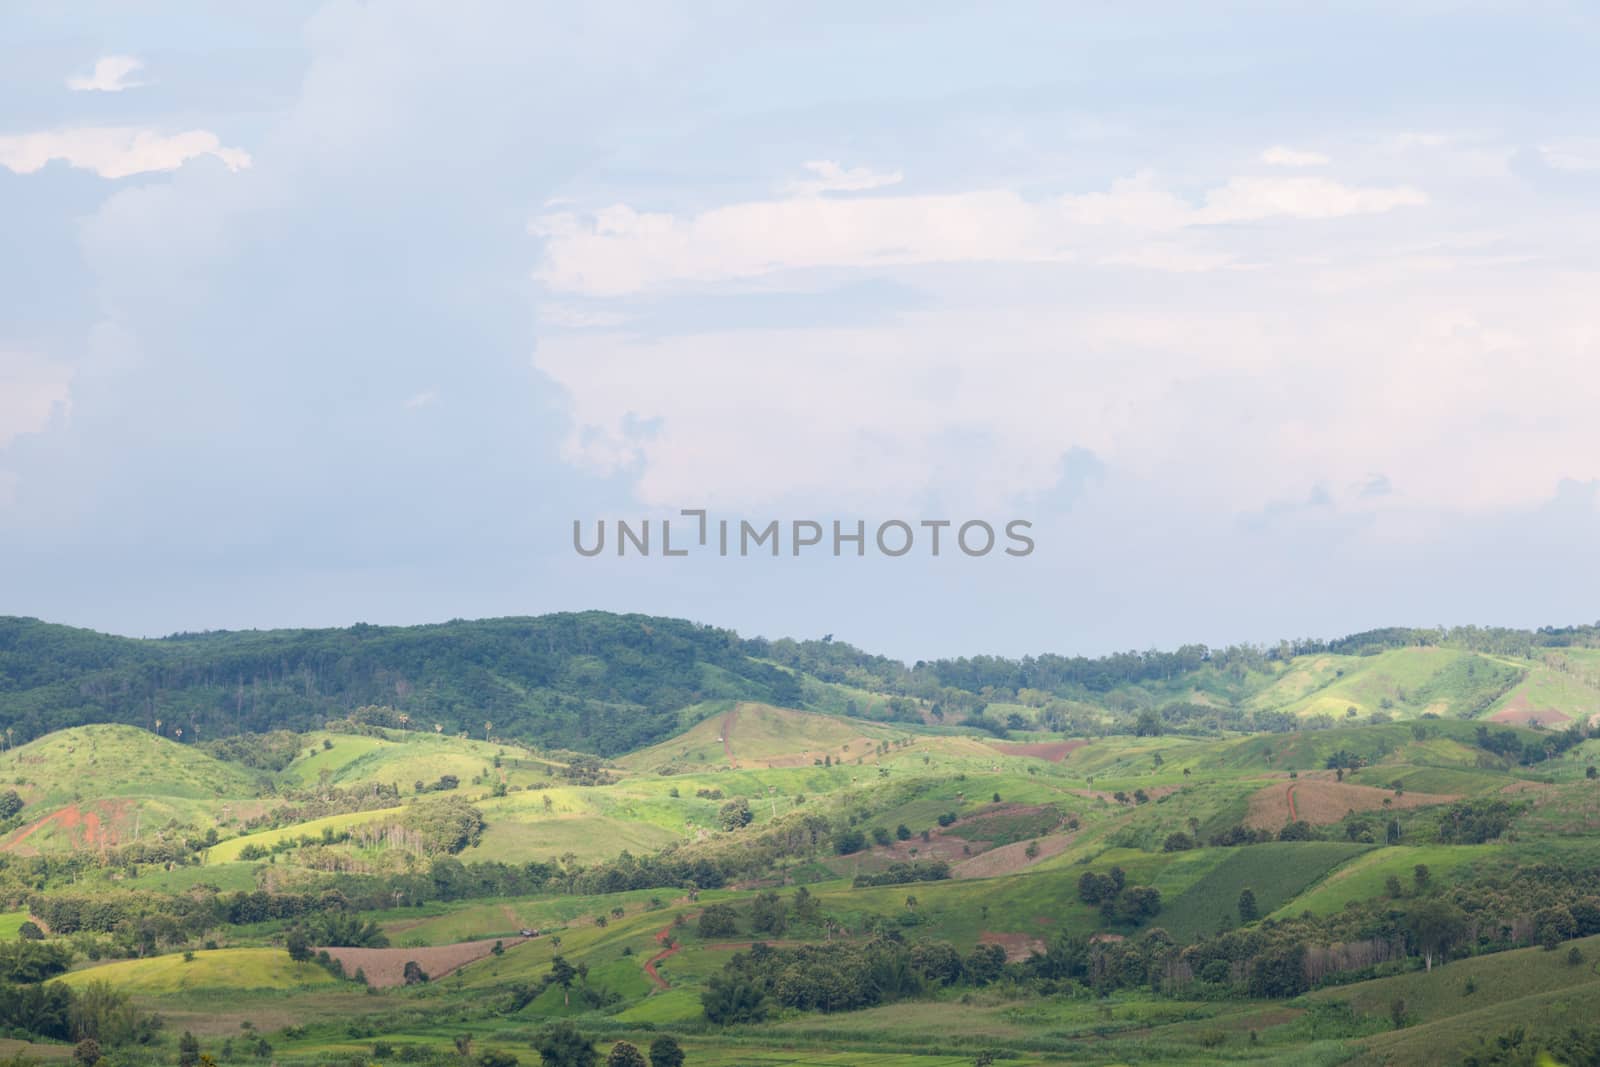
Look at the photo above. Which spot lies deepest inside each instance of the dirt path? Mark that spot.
(650, 964)
(727, 733)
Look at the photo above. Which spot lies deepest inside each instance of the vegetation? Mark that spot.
(661, 843)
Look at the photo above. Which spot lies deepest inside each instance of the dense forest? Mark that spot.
(588, 681)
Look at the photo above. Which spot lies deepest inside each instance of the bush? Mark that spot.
(718, 920)
(625, 1055)
(665, 1052)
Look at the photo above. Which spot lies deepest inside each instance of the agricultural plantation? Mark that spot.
(1377, 850)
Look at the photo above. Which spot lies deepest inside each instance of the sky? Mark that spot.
(1274, 320)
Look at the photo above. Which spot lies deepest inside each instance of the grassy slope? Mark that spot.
(228, 968)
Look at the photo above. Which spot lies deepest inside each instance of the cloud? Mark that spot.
(1572, 153)
(110, 76)
(620, 250)
(1224, 396)
(422, 399)
(1280, 156)
(1255, 199)
(833, 178)
(115, 151)
(32, 390)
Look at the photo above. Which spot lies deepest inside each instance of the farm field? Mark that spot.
(1245, 875)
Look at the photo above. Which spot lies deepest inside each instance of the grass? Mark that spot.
(1364, 876)
(1275, 873)
(228, 851)
(217, 969)
(1526, 987)
(87, 762)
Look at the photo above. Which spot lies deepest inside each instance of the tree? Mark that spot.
(1554, 925)
(625, 1055)
(768, 914)
(1434, 927)
(985, 964)
(1177, 841)
(299, 945)
(188, 1050)
(718, 920)
(729, 1000)
(1140, 902)
(413, 973)
(562, 973)
(86, 1053)
(1248, 911)
(561, 1045)
(805, 906)
(735, 814)
(497, 1057)
(665, 1052)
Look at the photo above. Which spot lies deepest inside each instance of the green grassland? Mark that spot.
(227, 852)
(118, 761)
(1364, 877)
(218, 969)
(964, 792)
(405, 758)
(1277, 874)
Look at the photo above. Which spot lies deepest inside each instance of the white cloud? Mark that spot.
(1281, 156)
(1221, 397)
(1255, 199)
(423, 399)
(110, 76)
(115, 151)
(620, 250)
(830, 177)
(32, 389)
(1572, 153)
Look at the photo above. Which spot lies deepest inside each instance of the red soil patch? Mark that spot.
(1322, 801)
(650, 964)
(1009, 859)
(1518, 712)
(1054, 751)
(1018, 946)
(83, 828)
(1154, 792)
(385, 967)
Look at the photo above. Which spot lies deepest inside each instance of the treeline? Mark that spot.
(31, 1008)
(592, 681)
(841, 976)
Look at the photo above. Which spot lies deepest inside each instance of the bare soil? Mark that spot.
(385, 967)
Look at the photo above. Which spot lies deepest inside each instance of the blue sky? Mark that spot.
(1275, 320)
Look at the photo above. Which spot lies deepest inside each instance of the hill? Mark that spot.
(610, 684)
